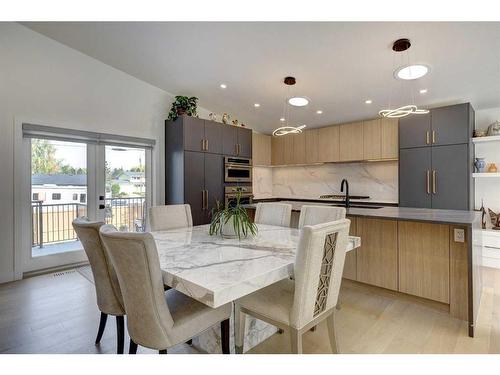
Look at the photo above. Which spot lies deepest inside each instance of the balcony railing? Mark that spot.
(52, 223)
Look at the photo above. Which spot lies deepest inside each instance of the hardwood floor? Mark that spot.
(57, 313)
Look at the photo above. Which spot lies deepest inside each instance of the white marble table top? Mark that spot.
(215, 270)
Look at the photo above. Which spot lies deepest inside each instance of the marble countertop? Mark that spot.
(216, 270)
(403, 213)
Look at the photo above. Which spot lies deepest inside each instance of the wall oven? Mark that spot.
(231, 194)
(237, 169)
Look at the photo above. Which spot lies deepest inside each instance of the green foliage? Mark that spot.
(115, 190)
(44, 161)
(236, 215)
(139, 168)
(183, 104)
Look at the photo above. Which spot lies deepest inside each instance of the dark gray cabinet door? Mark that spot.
(450, 125)
(245, 142)
(415, 131)
(450, 177)
(214, 184)
(194, 179)
(414, 177)
(213, 136)
(229, 140)
(194, 133)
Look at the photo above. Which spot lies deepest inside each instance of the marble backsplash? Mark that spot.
(379, 180)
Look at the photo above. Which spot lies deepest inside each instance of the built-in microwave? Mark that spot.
(237, 169)
(231, 194)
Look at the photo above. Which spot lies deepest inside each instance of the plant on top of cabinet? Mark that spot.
(183, 105)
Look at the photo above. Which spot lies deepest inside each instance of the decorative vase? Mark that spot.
(225, 118)
(235, 122)
(181, 111)
(492, 168)
(228, 230)
(479, 164)
(212, 116)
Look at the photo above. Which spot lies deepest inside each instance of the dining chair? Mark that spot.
(312, 215)
(156, 319)
(109, 297)
(301, 303)
(273, 214)
(170, 217)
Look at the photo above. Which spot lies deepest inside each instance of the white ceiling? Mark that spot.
(337, 65)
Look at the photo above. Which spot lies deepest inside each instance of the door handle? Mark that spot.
(428, 181)
(202, 145)
(206, 199)
(102, 206)
(427, 140)
(203, 199)
(433, 136)
(206, 144)
(434, 178)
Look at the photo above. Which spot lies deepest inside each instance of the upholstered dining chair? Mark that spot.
(302, 303)
(109, 298)
(312, 215)
(273, 214)
(170, 217)
(156, 319)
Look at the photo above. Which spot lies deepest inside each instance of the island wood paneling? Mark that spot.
(261, 149)
(350, 258)
(372, 139)
(312, 146)
(351, 141)
(377, 258)
(328, 144)
(459, 291)
(424, 260)
(389, 138)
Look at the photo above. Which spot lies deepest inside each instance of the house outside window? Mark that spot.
(75, 197)
(56, 196)
(83, 198)
(35, 197)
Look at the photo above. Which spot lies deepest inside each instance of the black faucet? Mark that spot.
(344, 181)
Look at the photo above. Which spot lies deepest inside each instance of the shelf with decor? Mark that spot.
(491, 138)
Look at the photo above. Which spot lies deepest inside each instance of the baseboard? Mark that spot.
(6, 277)
(53, 269)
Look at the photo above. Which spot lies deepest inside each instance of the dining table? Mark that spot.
(215, 270)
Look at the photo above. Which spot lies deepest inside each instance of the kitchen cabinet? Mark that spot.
(350, 257)
(424, 260)
(329, 144)
(194, 132)
(372, 139)
(451, 125)
(288, 149)
(277, 150)
(244, 142)
(377, 258)
(415, 177)
(236, 141)
(261, 149)
(299, 148)
(389, 147)
(415, 131)
(312, 146)
(351, 141)
(213, 137)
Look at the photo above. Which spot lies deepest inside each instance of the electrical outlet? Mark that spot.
(458, 235)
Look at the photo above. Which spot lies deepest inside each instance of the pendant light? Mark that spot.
(408, 72)
(288, 129)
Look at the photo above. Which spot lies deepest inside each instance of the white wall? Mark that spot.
(45, 80)
(488, 189)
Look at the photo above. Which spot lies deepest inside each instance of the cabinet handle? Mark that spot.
(428, 182)
(427, 140)
(206, 199)
(434, 178)
(433, 136)
(206, 144)
(203, 199)
(202, 145)
(236, 149)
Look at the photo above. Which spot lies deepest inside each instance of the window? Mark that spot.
(56, 196)
(35, 197)
(83, 198)
(75, 197)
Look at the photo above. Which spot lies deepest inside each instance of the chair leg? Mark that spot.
(132, 349)
(330, 321)
(162, 351)
(120, 334)
(296, 341)
(224, 333)
(239, 334)
(102, 325)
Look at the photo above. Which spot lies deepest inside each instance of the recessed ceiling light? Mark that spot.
(368, 101)
(282, 119)
(223, 85)
(423, 91)
(298, 101)
(319, 111)
(256, 105)
(410, 72)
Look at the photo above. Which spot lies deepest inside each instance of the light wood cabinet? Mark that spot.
(277, 151)
(350, 257)
(328, 144)
(312, 146)
(261, 149)
(351, 141)
(424, 260)
(287, 149)
(299, 148)
(372, 139)
(389, 138)
(377, 257)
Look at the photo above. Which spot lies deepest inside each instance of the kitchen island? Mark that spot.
(428, 253)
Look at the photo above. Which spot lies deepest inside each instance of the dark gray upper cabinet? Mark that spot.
(213, 136)
(194, 132)
(230, 140)
(245, 142)
(415, 177)
(214, 181)
(451, 125)
(194, 183)
(415, 131)
(449, 177)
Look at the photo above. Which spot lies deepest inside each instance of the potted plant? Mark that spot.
(183, 105)
(232, 221)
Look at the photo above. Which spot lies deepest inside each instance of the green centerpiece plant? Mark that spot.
(232, 221)
(183, 105)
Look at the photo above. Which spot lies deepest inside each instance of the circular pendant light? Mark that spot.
(294, 101)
